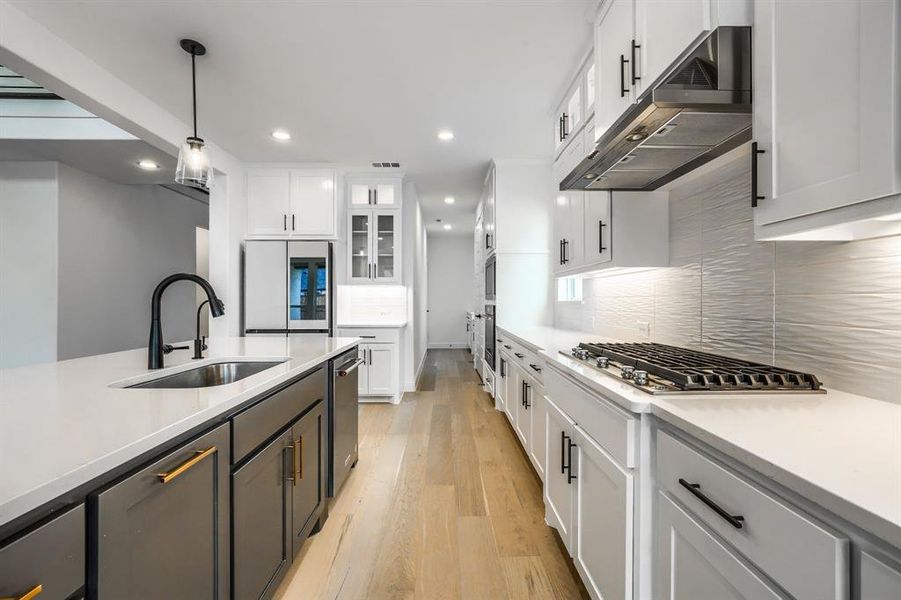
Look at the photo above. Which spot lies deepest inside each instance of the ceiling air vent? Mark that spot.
(386, 165)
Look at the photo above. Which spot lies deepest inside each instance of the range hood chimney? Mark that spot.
(698, 110)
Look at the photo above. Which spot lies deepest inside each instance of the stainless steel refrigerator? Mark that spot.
(288, 287)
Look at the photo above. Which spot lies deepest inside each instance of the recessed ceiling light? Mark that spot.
(445, 135)
(148, 165)
(448, 227)
(281, 135)
(449, 200)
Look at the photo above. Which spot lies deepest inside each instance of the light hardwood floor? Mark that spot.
(442, 504)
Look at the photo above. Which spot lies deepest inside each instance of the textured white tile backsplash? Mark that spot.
(833, 309)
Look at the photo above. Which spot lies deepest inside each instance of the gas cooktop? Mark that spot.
(661, 369)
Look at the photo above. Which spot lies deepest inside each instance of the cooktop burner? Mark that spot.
(658, 368)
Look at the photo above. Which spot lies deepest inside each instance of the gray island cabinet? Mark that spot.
(215, 514)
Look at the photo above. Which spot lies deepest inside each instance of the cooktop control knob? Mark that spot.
(603, 362)
(627, 371)
(580, 353)
(641, 377)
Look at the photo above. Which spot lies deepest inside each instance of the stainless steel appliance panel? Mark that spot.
(491, 278)
(343, 419)
(489, 318)
(265, 265)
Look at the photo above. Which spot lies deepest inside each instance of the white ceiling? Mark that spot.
(353, 81)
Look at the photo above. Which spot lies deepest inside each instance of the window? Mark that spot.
(569, 289)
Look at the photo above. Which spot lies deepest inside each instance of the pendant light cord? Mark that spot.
(194, 90)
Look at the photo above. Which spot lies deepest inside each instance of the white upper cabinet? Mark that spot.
(268, 201)
(489, 212)
(828, 129)
(374, 244)
(576, 106)
(373, 191)
(291, 203)
(613, 39)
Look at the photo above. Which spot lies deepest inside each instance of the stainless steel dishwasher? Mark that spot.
(343, 417)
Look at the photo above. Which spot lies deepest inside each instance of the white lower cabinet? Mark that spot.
(381, 366)
(536, 407)
(604, 526)
(379, 375)
(500, 385)
(692, 563)
(559, 478)
(878, 580)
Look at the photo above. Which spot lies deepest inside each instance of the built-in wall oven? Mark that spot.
(490, 278)
(489, 319)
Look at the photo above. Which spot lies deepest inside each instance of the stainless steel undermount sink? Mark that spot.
(210, 375)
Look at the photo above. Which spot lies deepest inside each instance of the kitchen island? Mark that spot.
(76, 440)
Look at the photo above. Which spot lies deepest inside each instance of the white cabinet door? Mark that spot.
(360, 194)
(691, 563)
(268, 201)
(574, 235)
(386, 246)
(841, 148)
(382, 364)
(500, 386)
(598, 228)
(664, 30)
(559, 490)
(385, 194)
(878, 579)
(604, 527)
(590, 89)
(537, 413)
(313, 204)
(359, 246)
(612, 48)
(489, 215)
(573, 115)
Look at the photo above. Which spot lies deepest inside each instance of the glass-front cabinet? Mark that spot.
(374, 246)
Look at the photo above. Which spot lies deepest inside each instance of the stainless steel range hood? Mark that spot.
(700, 109)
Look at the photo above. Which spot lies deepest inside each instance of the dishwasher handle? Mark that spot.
(349, 367)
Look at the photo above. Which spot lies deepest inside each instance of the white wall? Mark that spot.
(116, 242)
(450, 289)
(28, 263)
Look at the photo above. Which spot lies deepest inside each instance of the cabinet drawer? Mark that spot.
(373, 335)
(611, 427)
(262, 420)
(798, 553)
(51, 556)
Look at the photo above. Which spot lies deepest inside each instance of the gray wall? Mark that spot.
(27, 263)
(833, 309)
(116, 242)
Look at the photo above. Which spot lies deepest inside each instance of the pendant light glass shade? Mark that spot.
(194, 167)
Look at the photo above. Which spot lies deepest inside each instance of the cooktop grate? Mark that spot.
(693, 370)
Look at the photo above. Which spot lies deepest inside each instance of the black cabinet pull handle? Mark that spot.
(526, 387)
(754, 195)
(569, 460)
(292, 222)
(375, 195)
(285, 222)
(561, 253)
(622, 76)
(563, 438)
(508, 347)
(560, 129)
(634, 63)
(736, 521)
(535, 368)
(565, 123)
(601, 246)
(518, 355)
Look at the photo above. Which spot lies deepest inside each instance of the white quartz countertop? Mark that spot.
(62, 424)
(839, 450)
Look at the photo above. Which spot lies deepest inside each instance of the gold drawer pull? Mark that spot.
(32, 593)
(199, 456)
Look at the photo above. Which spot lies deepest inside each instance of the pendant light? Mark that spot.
(194, 167)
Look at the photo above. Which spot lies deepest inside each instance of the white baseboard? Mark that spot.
(449, 346)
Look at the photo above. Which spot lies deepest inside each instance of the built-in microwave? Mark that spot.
(490, 278)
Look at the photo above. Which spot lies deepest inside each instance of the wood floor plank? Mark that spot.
(481, 569)
(436, 545)
(526, 578)
(441, 452)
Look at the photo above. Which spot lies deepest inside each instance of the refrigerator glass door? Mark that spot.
(308, 286)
